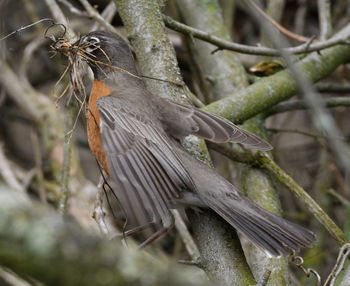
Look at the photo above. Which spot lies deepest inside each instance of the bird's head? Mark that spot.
(106, 52)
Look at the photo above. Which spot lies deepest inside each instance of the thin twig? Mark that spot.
(300, 16)
(107, 14)
(27, 26)
(303, 104)
(103, 20)
(67, 154)
(274, 9)
(10, 278)
(7, 174)
(297, 131)
(299, 262)
(59, 17)
(303, 196)
(245, 49)
(344, 253)
(38, 164)
(333, 87)
(74, 10)
(277, 25)
(339, 179)
(324, 19)
(91, 11)
(190, 245)
(339, 197)
(67, 146)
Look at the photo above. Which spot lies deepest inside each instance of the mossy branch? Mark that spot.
(55, 250)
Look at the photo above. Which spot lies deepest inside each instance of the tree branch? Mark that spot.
(7, 174)
(250, 50)
(273, 22)
(302, 104)
(324, 19)
(278, 87)
(91, 11)
(54, 250)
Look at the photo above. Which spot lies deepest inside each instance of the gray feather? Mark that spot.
(147, 172)
(190, 120)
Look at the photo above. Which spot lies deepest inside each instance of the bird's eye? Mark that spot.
(93, 40)
(92, 44)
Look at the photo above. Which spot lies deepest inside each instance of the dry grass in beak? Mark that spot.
(75, 87)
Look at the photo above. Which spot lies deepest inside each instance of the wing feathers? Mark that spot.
(147, 172)
(146, 184)
(162, 176)
(215, 128)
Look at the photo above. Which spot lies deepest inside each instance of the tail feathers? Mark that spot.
(263, 228)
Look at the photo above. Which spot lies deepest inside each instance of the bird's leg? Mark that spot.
(157, 234)
(133, 230)
(138, 229)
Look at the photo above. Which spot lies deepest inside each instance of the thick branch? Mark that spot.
(39, 109)
(221, 73)
(258, 186)
(42, 244)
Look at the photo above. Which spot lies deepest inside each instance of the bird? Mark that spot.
(135, 137)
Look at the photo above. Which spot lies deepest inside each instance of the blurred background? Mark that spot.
(35, 123)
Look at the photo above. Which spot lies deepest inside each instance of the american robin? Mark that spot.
(134, 136)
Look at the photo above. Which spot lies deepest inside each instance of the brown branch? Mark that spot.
(283, 30)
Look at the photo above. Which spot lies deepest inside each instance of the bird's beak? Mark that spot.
(65, 47)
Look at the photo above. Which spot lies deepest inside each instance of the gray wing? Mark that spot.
(212, 127)
(146, 172)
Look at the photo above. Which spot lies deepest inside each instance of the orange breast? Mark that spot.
(99, 89)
